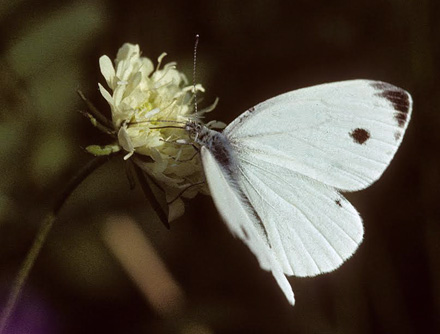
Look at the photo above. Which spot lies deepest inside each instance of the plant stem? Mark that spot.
(41, 236)
(95, 112)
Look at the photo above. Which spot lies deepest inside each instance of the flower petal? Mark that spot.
(124, 139)
(105, 94)
(146, 66)
(107, 70)
(126, 51)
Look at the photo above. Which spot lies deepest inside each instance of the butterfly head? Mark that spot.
(193, 129)
(199, 133)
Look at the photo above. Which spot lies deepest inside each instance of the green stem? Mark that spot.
(95, 112)
(98, 125)
(42, 234)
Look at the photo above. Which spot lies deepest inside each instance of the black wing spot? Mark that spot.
(338, 203)
(252, 109)
(360, 136)
(398, 98)
(397, 135)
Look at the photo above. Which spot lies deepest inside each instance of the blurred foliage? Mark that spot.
(249, 51)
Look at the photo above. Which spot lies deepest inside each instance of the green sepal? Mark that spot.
(98, 150)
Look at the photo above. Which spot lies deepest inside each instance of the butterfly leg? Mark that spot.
(183, 191)
(197, 151)
(177, 142)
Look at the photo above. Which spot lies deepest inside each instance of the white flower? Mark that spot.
(144, 98)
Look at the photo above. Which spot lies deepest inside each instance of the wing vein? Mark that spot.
(354, 175)
(310, 192)
(282, 239)
(307, 219)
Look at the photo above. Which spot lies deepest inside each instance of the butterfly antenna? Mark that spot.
(196, 43)
(157, 121)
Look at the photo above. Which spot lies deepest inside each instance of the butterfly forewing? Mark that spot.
(343, 134)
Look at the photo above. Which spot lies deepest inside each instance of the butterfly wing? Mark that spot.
(343, 134)
(311, 228)
(293, 154)
(240, 220)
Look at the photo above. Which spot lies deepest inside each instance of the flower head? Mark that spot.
(146, 101)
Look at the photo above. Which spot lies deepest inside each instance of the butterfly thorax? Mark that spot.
(215, 142)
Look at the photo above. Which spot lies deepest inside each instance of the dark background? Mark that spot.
(249, 51)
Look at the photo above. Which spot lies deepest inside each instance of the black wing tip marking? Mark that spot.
(360, 136)
(399, 98)
(338, 202)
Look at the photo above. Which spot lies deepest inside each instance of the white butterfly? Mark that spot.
(276, 171)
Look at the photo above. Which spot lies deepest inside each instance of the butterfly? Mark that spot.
(276, 173)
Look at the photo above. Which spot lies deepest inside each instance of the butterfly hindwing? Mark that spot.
(240, 220)
(311, 227)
